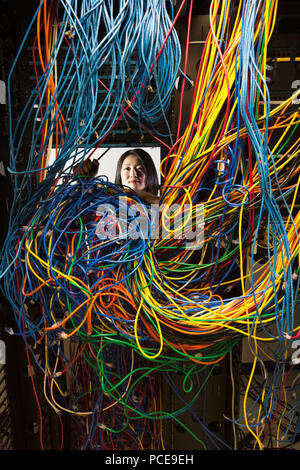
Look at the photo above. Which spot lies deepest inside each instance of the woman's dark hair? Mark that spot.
(148, 165)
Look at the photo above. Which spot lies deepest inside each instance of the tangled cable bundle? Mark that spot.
(120, 312)
(71, 107)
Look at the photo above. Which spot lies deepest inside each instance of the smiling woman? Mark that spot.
(133, 173)
(136, 170)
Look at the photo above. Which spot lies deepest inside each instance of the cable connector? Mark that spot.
(109, 364)
(57, 374)
(70, 34)
(286, 335)
(55, 325)
(9, 331)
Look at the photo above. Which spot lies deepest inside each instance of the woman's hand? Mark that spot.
(89, 169)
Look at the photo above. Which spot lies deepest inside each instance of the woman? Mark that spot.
(135, 170)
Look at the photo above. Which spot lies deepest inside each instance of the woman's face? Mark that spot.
(133, 173)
